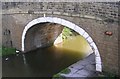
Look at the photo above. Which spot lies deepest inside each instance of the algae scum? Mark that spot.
(68, 48)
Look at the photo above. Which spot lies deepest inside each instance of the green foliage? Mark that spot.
(58, 76)
(66, 71)
(7, 51)
(67, 32)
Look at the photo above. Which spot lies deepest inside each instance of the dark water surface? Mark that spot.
(43, 62)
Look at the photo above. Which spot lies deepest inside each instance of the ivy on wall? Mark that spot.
(67, 32)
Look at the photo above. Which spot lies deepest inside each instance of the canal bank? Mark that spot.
(48, 61)
(70, 56)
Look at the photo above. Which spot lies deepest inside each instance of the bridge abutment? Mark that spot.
(15, 19)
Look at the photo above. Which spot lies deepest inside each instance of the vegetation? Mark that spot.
(58, 76)
(7, 51)
(67, 32)
(65, 71)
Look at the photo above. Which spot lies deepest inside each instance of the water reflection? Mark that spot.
(45, 62)
(74, 43)
(24, 59)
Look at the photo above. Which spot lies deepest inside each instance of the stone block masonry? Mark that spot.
(94, 18)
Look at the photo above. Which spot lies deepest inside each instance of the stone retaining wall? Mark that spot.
(95, 19)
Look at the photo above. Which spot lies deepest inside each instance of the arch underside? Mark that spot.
(69, 25)
(41, 35)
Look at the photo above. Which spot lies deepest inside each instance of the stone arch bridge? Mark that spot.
(94, 21)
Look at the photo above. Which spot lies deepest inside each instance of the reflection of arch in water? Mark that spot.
(69, 25)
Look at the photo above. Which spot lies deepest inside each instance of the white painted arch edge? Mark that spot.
(69, 25)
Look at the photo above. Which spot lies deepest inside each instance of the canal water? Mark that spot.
(39, 63)
(46, 62)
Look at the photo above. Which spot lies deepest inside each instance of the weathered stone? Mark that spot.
(14, 20)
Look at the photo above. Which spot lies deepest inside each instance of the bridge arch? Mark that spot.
(70, 25)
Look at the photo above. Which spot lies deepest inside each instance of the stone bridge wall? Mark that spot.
(42, 35)
(104, 10)
(94, 18)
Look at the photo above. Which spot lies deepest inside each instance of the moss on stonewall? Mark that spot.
(7, 51)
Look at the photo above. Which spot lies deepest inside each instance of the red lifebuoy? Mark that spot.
(108, 33)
